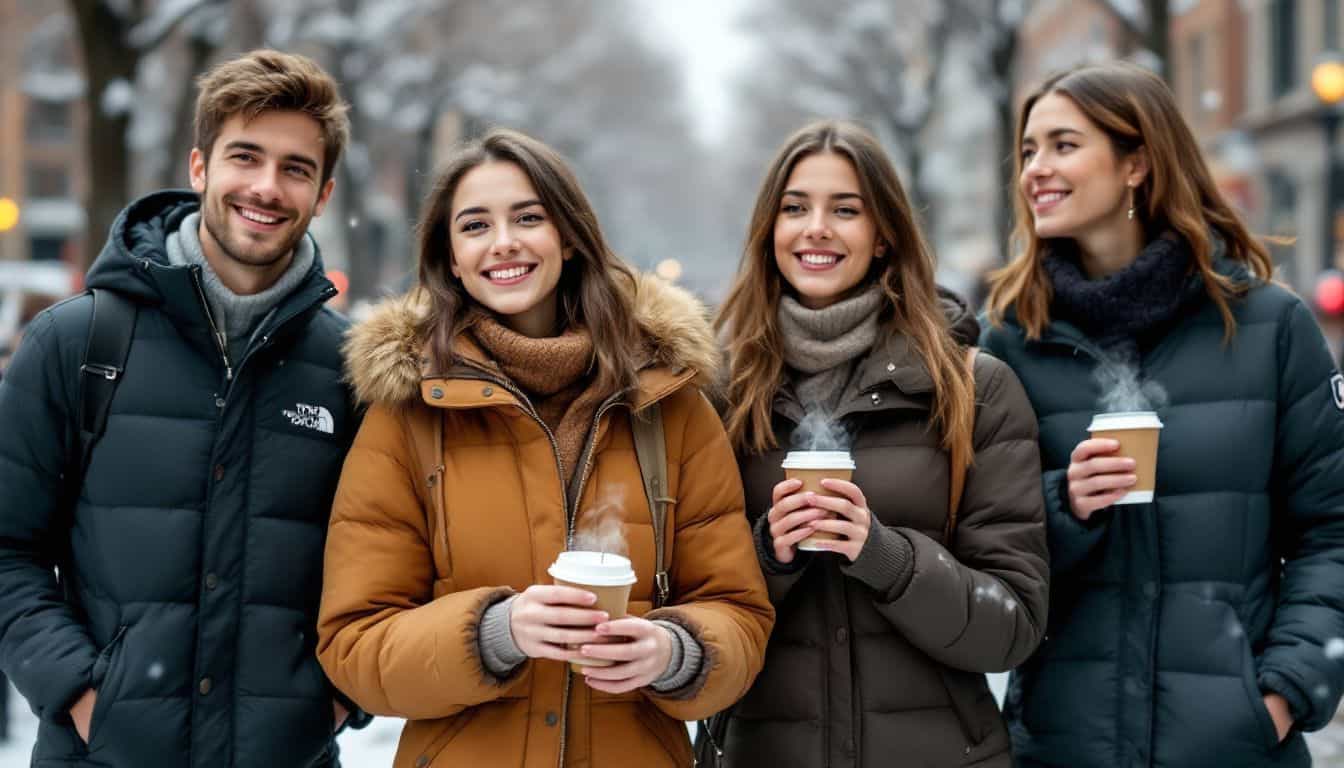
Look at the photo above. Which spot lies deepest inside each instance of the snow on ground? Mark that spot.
(374, 746)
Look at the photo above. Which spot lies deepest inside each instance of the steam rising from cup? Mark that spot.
(819, 431)
(1124, 390)
(601, 527)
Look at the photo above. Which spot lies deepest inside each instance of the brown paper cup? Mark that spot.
(1137, 432)
(596, 573)
(812, 467)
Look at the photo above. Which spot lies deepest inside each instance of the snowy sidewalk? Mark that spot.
(374, 746)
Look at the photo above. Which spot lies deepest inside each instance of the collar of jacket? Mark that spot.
(134, 263)
(386, 363)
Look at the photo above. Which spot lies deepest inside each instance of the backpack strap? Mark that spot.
(960, 460)
(111, 327)
(651, 452)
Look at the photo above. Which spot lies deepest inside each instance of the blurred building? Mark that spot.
(41, 131)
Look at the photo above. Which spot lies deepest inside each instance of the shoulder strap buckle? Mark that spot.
(109, 372)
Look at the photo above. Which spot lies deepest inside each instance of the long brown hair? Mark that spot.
(1134, 108)
(748, 318)
(596, 288)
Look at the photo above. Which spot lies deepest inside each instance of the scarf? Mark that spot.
(821, 346)
(1120, 310)
(554, 373)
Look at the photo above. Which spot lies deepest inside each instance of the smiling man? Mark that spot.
(177, 627)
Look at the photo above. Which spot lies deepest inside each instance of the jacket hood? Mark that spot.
(960, 319)
(385, 360)
(140, 234)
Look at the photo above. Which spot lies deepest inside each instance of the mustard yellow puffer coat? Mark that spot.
(417, 550)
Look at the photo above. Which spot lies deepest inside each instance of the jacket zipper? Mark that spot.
(221, 341)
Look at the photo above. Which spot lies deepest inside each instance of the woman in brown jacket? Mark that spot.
(499, 432)
(883, 637)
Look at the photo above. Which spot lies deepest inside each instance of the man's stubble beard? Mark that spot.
(215, 216)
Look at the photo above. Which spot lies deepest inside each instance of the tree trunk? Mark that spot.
(107, 58)
(1003, 60)
(175, 173)
(1159, 34)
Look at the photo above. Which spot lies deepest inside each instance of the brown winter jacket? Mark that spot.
(416, 553)
(881, 662)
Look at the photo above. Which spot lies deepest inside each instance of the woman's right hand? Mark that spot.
(790, 519)
(545, 618)
(1096, 478)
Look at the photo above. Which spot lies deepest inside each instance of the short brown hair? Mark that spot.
(266, 80)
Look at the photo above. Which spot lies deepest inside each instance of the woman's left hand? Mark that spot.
(639, 661)
(851, 523)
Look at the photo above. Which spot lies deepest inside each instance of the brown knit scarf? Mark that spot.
(554, 373)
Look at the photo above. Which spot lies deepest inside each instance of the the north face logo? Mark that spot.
(311, 417)
(1337, 389)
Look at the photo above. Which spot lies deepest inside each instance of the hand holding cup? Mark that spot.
(545, 619)
(632, 664)
(1098, 477)
(790, 518)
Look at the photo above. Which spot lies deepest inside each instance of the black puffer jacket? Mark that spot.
(1169, 620)
(191, 570)
(875, 663)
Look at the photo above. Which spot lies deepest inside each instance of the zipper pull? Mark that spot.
(224, 353)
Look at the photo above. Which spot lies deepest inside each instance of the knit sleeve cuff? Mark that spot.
(886, 563)
(499, 652)
(684, 663)
(765, 550)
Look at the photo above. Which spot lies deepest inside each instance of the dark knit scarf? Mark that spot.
(554, 373)
(1120, 311)
(821, 346)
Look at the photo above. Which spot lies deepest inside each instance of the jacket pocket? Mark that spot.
(963, 692)
(108, 662)
(1255, 697)
(450, 731)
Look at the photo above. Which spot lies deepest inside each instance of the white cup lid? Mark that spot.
(1126, 420)
(597, 569)
(818, 460)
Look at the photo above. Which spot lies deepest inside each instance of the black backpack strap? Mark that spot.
(111, 327)
(651, 453)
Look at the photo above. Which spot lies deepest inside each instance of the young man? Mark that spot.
(178, 626)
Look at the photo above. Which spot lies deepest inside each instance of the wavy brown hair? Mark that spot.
(596, 288)
(748, 319)
(1135, 109)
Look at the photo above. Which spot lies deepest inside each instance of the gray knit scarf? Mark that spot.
(236, 315)
(821, 345)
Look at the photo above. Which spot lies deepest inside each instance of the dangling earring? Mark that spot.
(1130, 213)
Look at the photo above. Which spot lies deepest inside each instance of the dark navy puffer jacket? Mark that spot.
(190, 567)
(1168, 621)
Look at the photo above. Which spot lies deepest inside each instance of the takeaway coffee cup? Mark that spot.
(1137, 433)
(811, 467)
(606, 575)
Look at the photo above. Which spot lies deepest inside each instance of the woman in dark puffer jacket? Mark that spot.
(883, 637)
(1201, 628)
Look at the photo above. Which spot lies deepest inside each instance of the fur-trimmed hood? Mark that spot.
(385, 355)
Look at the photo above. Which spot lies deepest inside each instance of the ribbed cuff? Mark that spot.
(886, 563)
(499, 652)
(684, 664)
(765, 550)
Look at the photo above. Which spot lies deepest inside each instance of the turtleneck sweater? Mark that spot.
(235, 315)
